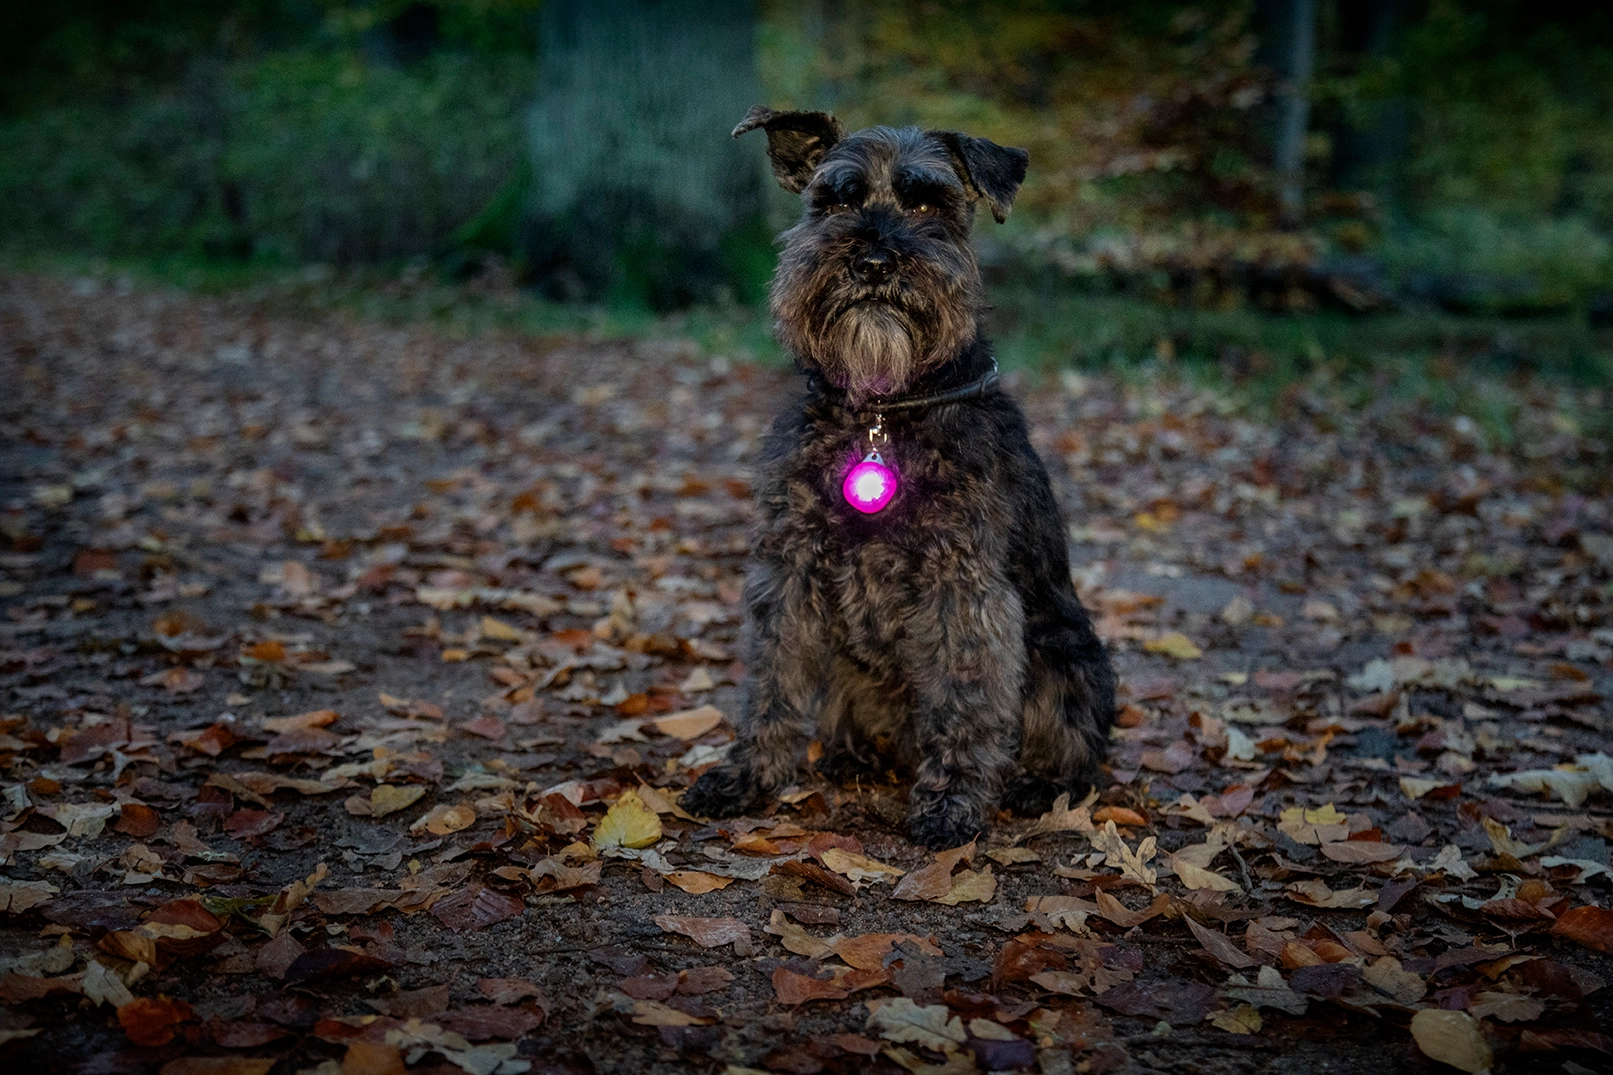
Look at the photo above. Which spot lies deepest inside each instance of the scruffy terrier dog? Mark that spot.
(910, 590)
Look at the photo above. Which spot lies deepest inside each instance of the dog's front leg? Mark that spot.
(788, 661)
(964, 654)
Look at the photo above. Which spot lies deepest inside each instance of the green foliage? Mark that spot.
(298, 156)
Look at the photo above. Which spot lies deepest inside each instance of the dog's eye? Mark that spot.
(922, 209)
(839, 207)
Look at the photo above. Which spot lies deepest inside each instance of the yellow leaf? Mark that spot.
(1013, 856)
(389, 798)
(628, 823)
(1174, 644)
(1325, 815)
(453, 655)
(1451, 1038)
(499, 631)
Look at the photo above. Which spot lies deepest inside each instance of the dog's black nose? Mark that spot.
(873, 267)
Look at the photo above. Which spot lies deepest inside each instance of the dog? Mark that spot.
(909, 596)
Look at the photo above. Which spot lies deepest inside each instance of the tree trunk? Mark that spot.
(1294, 118)
(638, 193)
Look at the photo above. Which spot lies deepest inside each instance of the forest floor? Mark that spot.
(352, 672)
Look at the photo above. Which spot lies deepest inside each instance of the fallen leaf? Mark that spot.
(443, 819)
(154, 1021)
(706, 932)
(372, 1058)
(1013, 856)
(932, 1026)
(223, 1065)
(1220, 947)
(389, 799)
(1590, 926)
(1315, 893)
(697, 882)
(1198, 877)
(689, 724)
(1112, 910)
(508, 990)
(867, 951)
(475, 907)
(1360, 852)
(859, 868)
(1174, 644)
(1507, 1007)
(970, 886)
(654, 1013)
(1451, 1038)
(934, 881)
(18, 896)
(628, 823)
(793, 989)
(797, 939)
(1244, 1019)
(1387, 976)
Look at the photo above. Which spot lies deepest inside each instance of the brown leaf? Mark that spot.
(318, 964)
(1219, 946)
(219, 1065)
(1173, 1000)
(154, 1021)
(1123, 916)
(1315, 893)
(509, 990)
(475, 907)
(274, 958)
(811, 871)
(484, 1023)
(698, 882)
(654, 1013)
(1360, 852)
(689, 724)
(1590, 926)
(793, 989)
(699, 980)
(706, 932)
(372, 1058)
(249, 824)
(867, 952)
(1451, 1038)
(138, 820)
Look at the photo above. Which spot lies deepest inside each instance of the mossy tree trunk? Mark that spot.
(638, 193)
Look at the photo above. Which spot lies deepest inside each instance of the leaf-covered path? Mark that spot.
(351, 673)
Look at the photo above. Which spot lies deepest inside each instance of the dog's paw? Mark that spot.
(942, 822)
(721, 792)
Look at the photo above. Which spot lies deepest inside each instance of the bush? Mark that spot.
(298, 156)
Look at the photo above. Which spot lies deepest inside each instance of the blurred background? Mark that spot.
(1385, 192)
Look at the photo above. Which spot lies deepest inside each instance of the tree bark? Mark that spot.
(1294, 118)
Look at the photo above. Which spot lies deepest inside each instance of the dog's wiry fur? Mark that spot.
(943, 629)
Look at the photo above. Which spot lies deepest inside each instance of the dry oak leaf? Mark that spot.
(223, 1065)
(859, 869)
(289, 899)
(1070, 912)
(706, 932)
(1174, 644)
(1113, 910)
(372, 1058)
(899, 1019)
(476, 907)
(1244, 1019)
(1063, 817)
(698, 882)
(628, 823)
(1314, 893)
(1451, 1038)
(1132, 865)
(689, 724)
(971, 886)
(1590, 926)
(1507, 1007)
(1269, 991)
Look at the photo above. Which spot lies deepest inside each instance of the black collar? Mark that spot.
(981, 386)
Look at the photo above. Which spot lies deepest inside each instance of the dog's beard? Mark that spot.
(871, 350)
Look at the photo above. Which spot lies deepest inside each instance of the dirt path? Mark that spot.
(328, 648)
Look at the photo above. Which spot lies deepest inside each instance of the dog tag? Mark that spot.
(870, 484)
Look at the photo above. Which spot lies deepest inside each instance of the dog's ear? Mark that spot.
(796, 142)
(988, 170)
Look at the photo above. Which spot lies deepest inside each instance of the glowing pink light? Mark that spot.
(870, 485)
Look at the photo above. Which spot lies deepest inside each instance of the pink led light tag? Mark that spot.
(870, 484)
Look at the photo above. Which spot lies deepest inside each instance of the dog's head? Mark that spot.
(877, 284)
